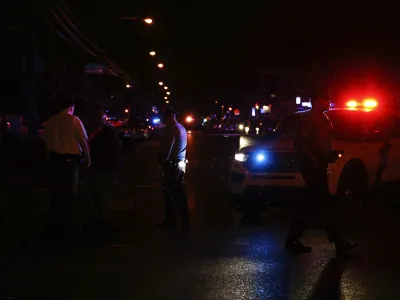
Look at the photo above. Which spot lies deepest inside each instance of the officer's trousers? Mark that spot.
(64, 173)
(316, 199)
(101, 189)
(174, 195)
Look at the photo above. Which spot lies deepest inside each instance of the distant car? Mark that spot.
(211, 126)
(115, 122)
(230, 126)
(191, 123)
(134, 130)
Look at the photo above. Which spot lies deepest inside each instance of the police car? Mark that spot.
(367, 138)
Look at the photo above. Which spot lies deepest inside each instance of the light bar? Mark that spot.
(352, 104)
(370, 103)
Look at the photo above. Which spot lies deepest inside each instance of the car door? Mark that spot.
(352, 136)
(390, 151)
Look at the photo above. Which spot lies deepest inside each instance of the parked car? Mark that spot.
(136, 129)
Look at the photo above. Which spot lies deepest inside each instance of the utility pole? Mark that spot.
(32, 111)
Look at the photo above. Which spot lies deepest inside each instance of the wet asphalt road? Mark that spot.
(222, 258)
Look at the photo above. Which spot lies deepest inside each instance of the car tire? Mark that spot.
(352, 190)
(248, 206)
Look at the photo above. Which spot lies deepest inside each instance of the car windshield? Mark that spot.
(134, 124)
(286, 128)
(347, 124)
(357, 124)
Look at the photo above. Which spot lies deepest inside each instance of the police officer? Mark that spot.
(314, 143)
(66, 141)
(172, 159)
(105, 155)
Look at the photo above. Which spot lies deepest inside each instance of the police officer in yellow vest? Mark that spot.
(66, 142)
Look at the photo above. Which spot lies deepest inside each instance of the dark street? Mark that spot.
(223, 257)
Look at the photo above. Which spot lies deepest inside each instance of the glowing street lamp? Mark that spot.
(161, 83)
(128, 86)
(126, 111)
(160, 66)
(168, 93)
(165, 98)
(152, 53)
(165, 88)
(167, 101)
(147, 20)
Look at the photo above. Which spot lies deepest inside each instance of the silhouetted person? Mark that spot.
(105, 155)
(172, 159)
(314, 142)
(66, 141)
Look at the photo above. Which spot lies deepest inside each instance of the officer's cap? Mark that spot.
(171, 112)
(63, 99)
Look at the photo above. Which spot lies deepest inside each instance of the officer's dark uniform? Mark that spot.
(315, 130)
(172, 159)
(105, 156)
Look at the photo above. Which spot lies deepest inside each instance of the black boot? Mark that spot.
(344, 247)
(167, 222)
(297, 247)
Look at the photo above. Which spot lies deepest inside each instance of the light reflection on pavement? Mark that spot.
(223, 257)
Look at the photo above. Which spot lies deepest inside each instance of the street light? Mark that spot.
(147, 20)
(161, 83)
(152, 53)
(168, 93)
(167, 101)
(128, 86)
(160, 66)
(165, 98)
(165, 88)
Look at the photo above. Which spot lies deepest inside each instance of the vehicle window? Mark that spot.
(396, 125)
(287, 128)
(359, 125)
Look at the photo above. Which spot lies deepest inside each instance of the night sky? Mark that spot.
(211, 49)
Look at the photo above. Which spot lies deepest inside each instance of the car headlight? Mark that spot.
(241, 157)
(260, 157)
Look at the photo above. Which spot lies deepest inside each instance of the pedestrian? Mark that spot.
(66, 142)
(105, 155)
(172, 159)
(314, 142)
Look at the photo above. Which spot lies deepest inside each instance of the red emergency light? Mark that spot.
(367, 103)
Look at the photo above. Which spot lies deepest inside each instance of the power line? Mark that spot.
(84, 42)
(69, 32)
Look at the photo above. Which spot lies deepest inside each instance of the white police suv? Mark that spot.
(367, 137)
